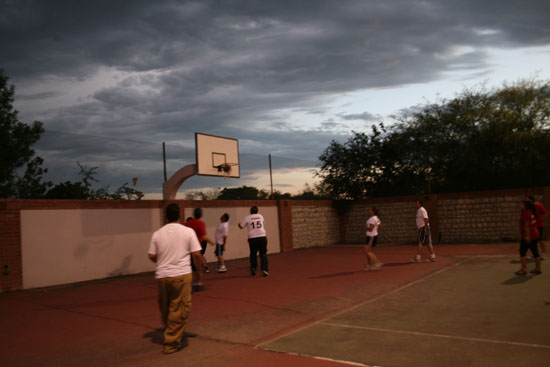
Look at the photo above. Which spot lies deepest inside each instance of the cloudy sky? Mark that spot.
(112, 80)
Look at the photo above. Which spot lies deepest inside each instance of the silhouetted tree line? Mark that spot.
(479, 140)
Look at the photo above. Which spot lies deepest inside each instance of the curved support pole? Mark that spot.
(170, 188)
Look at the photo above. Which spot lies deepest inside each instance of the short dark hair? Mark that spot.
(173, 212)
(531, 198)
(530, 206)
(226, 216)
(254, 210)
(375, 210)
(197, 213)
(420, 202)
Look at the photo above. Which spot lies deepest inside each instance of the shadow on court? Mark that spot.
(518, 279)
(316, 303)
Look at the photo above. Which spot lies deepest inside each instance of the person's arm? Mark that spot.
(242, 224)
(197, 259)
(153, 257)
(370, 227)
(207, 239)
(224, 240)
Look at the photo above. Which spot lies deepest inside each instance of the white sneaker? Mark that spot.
(222, 269)
(368, 267)
(376, 266)
(416, 260)
(433, 259)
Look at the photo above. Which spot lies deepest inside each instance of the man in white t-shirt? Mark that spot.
(257, 240)
(171, 249)
(424, 235)
(222, 230)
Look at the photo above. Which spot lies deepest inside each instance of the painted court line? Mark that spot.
(440, 335)
(349, 363)
(364, 303)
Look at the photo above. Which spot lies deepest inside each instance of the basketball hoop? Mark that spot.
(224, 170)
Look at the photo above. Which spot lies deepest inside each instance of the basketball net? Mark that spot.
(226, 171)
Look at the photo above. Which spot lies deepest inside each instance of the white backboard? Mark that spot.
(213, 152)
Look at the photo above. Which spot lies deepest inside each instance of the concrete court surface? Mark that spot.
(115, 322)
(475, 313)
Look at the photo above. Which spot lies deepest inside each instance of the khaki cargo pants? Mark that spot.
(175, 306)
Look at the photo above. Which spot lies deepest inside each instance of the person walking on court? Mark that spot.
(372, 226)
(171, 249)
(424, 235)
(222, 230)
(257, 240)
(200, 229)
(529, 237)
(541, 212)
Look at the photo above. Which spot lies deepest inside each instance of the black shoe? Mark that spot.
(252, 271)
(206, 270)
(265, 273)
(536, 272)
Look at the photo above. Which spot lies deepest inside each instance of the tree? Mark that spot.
(478, 140)
(309, 193)
(243, 193)
(83, 189)
(16, 153)
(200, 195)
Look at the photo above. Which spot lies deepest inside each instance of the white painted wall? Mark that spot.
(67, 246)
(73, 245)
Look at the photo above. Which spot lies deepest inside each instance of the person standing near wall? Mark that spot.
(257, 240)
(372, 225)
(529, 237)
(171, 249)
(424, 235)
(222, 230)
(200, 229)
(541, 212)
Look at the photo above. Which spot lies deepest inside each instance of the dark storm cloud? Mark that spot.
(229, 67)
(365, 116)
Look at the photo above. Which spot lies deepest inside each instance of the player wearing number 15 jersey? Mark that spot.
(257, 240)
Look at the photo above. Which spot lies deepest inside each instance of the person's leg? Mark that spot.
(253, 259)
(535, 251)
(163, 300)
(374, 259)
(523, 247)
(366, 250)
(219, 253)
(179, 309)
(420, 246)
(377, 264)
(204, 245)
(429, 245)
(262, 247)
(542, 243)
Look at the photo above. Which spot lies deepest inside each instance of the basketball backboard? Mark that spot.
(217, 156)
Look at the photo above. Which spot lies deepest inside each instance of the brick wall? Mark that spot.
(11, 274)
(315, 224)
(481, 218)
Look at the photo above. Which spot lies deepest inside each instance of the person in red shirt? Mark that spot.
(541, 211)
(200, 229)
(529, 237)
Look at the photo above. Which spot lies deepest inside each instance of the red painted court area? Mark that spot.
(116, 322)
